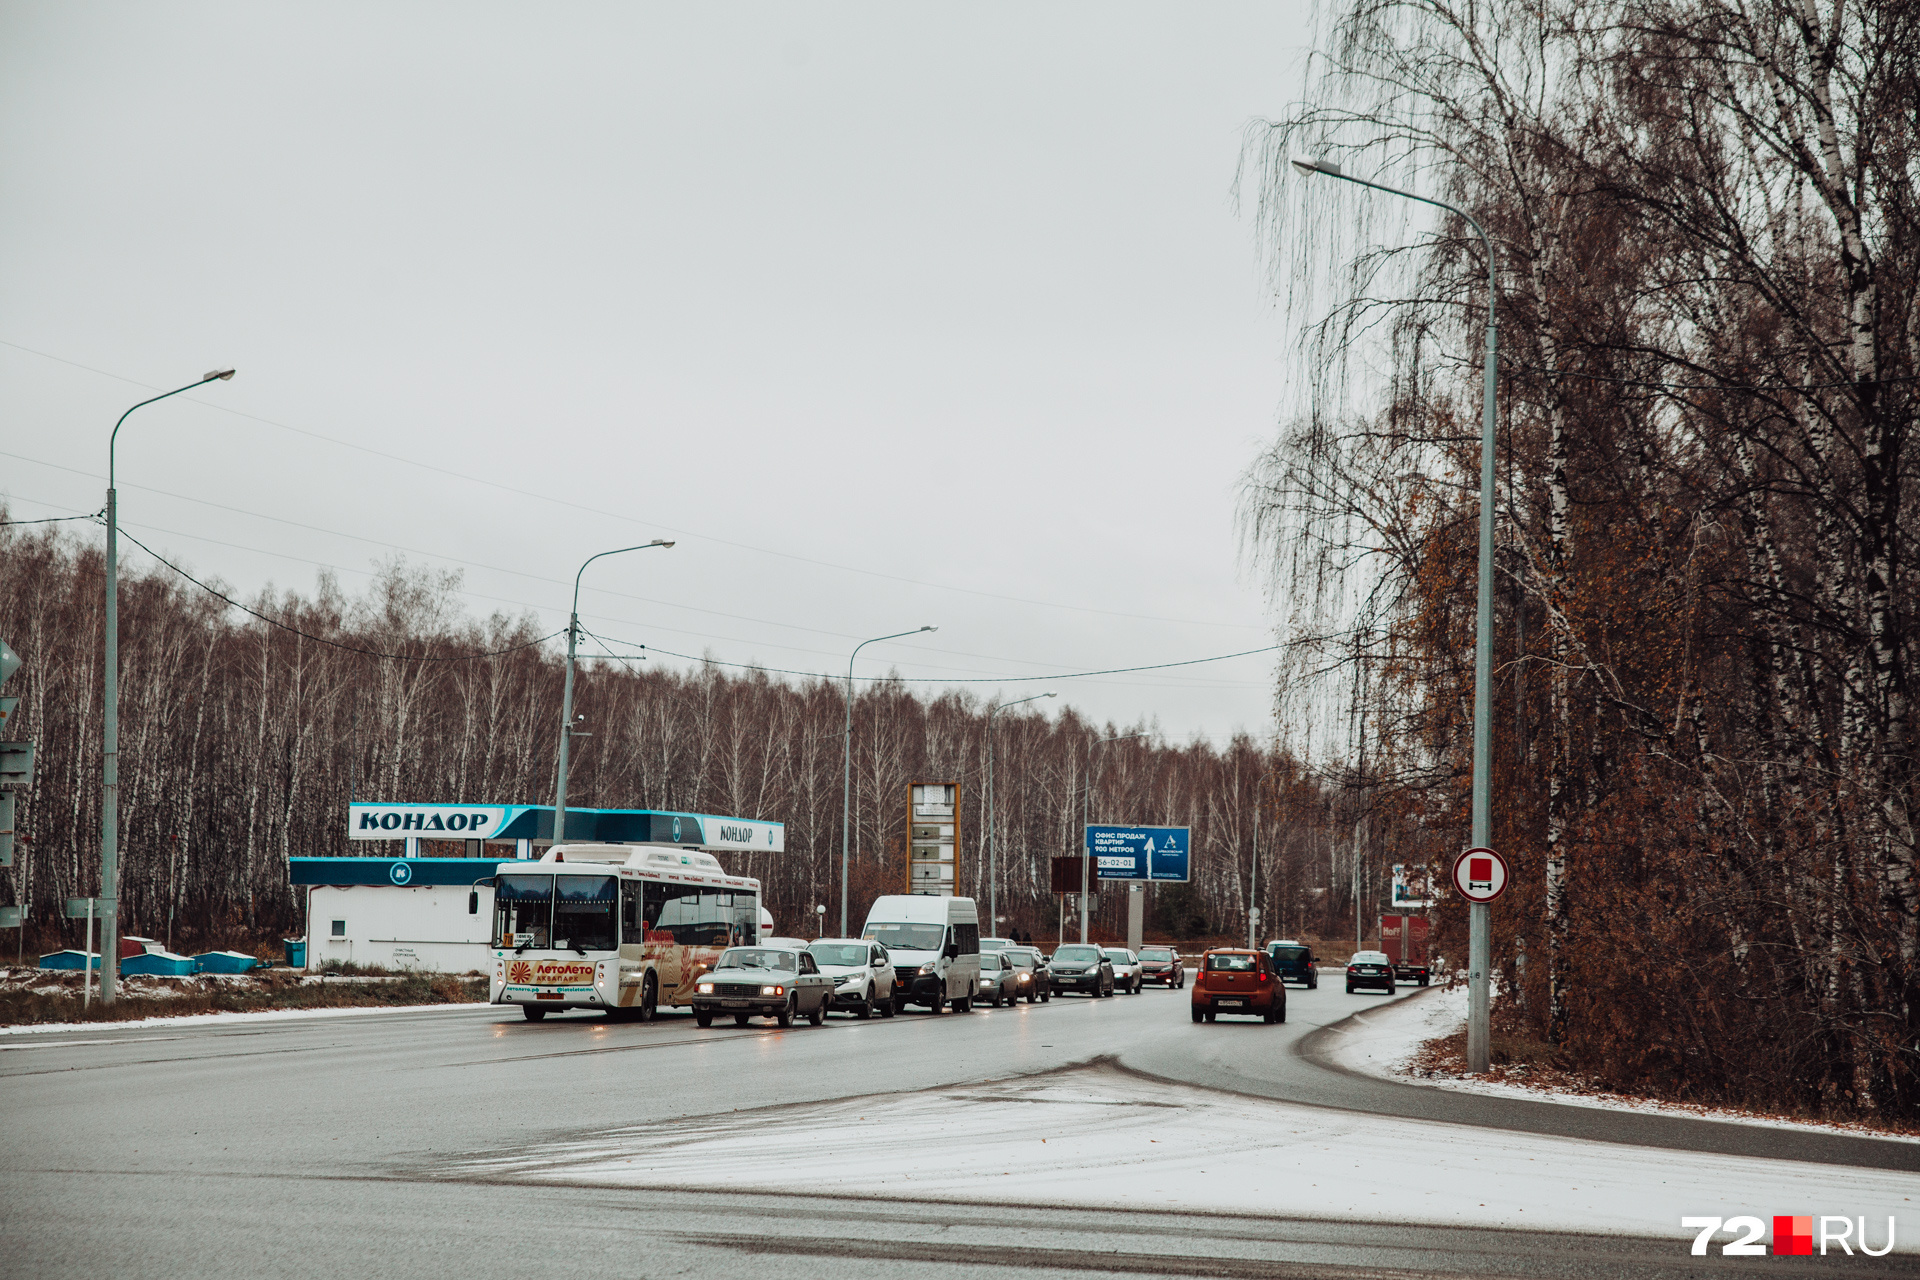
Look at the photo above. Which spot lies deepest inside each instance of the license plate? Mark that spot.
(1235, 1003)
(549, 995)
(733, 1004)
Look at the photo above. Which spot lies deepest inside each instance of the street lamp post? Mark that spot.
(1253, 873)
(846, 769)
(1086, 817)
(1479, 914)
(110, 717)
(566, 695)
(993, 878)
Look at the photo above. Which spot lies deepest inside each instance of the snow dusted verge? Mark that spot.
(1104, 1138)
(189, 1021)
(1386, 1041)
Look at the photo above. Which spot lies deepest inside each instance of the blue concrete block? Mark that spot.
(223, 962)
(163, 964)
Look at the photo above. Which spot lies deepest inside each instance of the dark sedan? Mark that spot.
(1029, 973)
(1081, 967)
(1164, 966)
(1370, 969)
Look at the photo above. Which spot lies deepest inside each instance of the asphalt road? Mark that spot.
(323, 1146)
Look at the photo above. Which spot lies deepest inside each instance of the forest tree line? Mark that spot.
(242, 741)
(1703, 216)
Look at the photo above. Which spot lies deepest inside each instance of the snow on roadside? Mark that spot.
(1102, 1137)
(1386, 1040)
(187, 1021)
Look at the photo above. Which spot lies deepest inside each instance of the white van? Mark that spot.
(935, 946)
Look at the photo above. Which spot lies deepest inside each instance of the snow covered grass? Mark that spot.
(39, 999)
(189, 1020)
(1403, 1040)
(1102, 1137)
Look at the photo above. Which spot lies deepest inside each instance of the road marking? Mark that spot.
(69, 1044)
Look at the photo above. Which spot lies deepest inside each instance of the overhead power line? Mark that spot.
(152, 528)
(476, 564)
(571, 505)
(821, 675)
(606, 644)
(95, 515)
(336, 644)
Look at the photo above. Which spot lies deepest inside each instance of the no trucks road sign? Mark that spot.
(1480, 875)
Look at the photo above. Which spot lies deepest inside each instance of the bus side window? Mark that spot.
(693, 916)
(631, 899)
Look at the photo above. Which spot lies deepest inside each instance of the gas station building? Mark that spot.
(399, 910)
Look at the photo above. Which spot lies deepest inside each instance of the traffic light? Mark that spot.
(16, 759)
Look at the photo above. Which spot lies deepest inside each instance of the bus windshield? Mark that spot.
(523, 911)
(907, 937)
(583, 912)
(561, 913)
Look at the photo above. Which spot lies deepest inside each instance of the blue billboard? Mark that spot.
(1138, 853)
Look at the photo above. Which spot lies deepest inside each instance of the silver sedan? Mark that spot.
(999, 981)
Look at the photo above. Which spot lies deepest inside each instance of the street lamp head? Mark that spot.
(1046, 695)
(659, 542)
(929, 628)
(224, 375)
(1309, 167)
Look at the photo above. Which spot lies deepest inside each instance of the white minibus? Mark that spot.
(935, 946)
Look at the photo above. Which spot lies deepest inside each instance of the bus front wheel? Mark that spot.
(649, 1000)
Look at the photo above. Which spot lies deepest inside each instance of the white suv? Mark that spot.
(862, 975)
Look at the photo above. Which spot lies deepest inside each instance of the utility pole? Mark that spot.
(1479, 914)
(993, 877)
(16, 774)
(567, 732)
(1086, 820)
(846, 778)
(110, 718)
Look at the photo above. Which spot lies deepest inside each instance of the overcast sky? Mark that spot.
(889, 314)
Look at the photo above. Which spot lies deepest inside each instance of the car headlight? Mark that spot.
(706, 988)
(851, 984)
(924, 971)
(773, 991)
(1024, 977)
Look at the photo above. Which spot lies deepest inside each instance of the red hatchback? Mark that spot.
(1237, 980)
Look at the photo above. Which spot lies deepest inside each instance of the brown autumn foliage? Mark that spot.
(241, 741)
(1704, 230)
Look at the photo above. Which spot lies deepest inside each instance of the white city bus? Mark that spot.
(620, 928)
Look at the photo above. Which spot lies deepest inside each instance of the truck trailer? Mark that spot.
(1404, 939)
